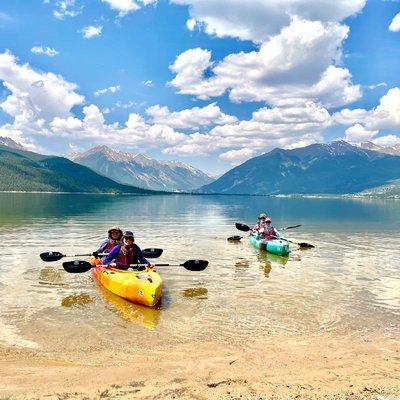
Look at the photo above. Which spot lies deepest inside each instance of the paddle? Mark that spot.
(84, 266)
(246, 228)
(303, 245)
(56, 255)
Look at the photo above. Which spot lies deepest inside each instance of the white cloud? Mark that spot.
(125, 7)
(191, 24)
(385, 116)
(236, 157)
(66, 8)
(40, 104)
(358, 133)
(91, 31)
(111, 89)
(381, 84)
(395, 24)
(35, 95)
(293, 66)
(194, 118)
(48, 51)
(388, 140)
(257, 20)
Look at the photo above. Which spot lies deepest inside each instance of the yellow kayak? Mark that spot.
(141, 287)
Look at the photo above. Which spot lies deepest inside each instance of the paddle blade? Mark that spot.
(306, 245)
(234, 238)
(289, 227)
(152, 253)
(75, 267)
(195, 265)
(242, 227)
(51, 256)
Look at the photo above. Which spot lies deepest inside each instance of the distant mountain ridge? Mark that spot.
(336, 168)
(141, 170)
(27, 171)
(12, 144)
(393, 150)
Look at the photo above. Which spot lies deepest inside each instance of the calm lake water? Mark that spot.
(348, 285)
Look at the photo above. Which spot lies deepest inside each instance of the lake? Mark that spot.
(348, 285)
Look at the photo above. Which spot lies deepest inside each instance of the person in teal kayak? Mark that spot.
(127, 253)
(264, 228)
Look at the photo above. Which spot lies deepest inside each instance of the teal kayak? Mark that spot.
(275, 246)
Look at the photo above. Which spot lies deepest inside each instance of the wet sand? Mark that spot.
(289, 368)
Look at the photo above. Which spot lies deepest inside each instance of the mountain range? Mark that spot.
(142, 171)
(336, 168)
(22, 170)
(8, 142)
(393, 150)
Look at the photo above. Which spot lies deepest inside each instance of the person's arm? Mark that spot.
(255, 228)
(142, 259)
(102, 246)
(112, 255)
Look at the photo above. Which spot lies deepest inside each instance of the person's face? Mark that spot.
(114, 234)
(128, 241)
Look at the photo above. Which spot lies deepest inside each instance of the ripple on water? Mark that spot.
(348, 284)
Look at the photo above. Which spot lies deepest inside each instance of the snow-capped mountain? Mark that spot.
(335, 168)
(6, 141)
(141, 170)
(393, 150)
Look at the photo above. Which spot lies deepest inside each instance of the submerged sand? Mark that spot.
(288, 368)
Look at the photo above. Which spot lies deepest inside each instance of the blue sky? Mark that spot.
(187, 80)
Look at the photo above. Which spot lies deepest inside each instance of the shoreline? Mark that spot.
(289, 368)
(277, 196)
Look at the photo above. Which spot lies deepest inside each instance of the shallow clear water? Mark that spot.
(348, 285)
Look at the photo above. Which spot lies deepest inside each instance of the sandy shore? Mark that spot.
(291, 368)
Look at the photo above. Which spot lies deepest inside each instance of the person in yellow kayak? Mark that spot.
(127, 253)
(114, 239)
(264, 228)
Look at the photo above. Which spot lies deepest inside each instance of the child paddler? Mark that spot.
(127, 253)
(264, 228)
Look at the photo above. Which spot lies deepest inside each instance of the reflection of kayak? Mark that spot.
(141, 287)
(274, 246)
(270, 258)
(147, 317)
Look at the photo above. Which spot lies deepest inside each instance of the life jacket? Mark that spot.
(266, 233)
(111, 243)
(128, 256)
(269, 233)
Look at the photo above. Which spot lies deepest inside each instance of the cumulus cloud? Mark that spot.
(385, 116)
(388, 140)
(35, 95)
(48, 51)
(236, 157)
(358, 133)
(66, 8)
(194, 118)
(257, 20)
(191, 24)
(45, 109)
(293, 66)
(91, 31)
(124, 7)
(395, 24)
(111, 89)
